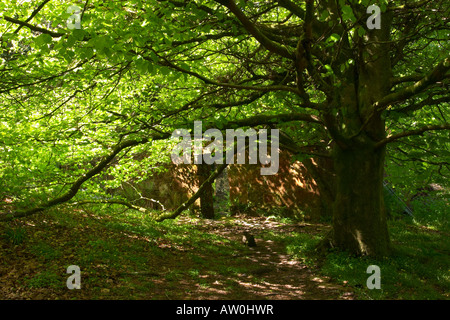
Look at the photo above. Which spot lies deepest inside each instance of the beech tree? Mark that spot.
(336, 85)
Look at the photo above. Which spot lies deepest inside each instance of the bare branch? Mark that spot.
(120, 202)
(190, 201)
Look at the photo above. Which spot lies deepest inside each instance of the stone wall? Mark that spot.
(291, 192)
(240, 189)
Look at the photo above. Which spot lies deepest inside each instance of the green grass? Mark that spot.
(45, 251)
(15, 235)
(44, 279)
(432, 212)
(299, 245)
(417, 268)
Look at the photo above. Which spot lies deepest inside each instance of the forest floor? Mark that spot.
(270, 272)
(128, 256)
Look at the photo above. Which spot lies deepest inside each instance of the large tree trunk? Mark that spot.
(359, 219)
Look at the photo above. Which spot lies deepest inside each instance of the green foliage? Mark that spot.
(15, 235)
(432, 211)
(130, 69)
(45, 251)
(45, 279)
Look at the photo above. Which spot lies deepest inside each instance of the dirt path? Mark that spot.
(280, 277)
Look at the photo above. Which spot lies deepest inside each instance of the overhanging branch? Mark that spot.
(190, 201)
(254, 31)
(34, 28)
(437, 74)
(34, 13)
(411, 133)
(272, 119)
(76, 185)
(267, 88)
(73, 190)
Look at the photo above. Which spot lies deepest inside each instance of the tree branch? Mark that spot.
(419, 131)
(34, 28)
(438, 73)
(273, 119)
(81, 63)
(35, 12)
(76, 185)
(229, 85)
(190, 201)
(119, 202)
(426, 102)
(254, 31)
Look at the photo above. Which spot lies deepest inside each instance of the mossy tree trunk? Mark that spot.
(359, 218)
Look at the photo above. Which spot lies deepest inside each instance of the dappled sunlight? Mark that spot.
(128, 255)
(262, 272)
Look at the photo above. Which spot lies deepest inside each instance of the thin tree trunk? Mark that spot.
(207, 197)
(191, 200)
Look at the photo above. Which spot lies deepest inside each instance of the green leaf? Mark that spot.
(142, 65)
(99, 43)
(86, 53)
(361, 31)
(325, 14)
(79, 34)
(365, 3)
(347, 13)
(43, 40)
(70, 41)
(164, 71)
(153, 56)
(9, 36)
(329, 69)
(334, 37)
